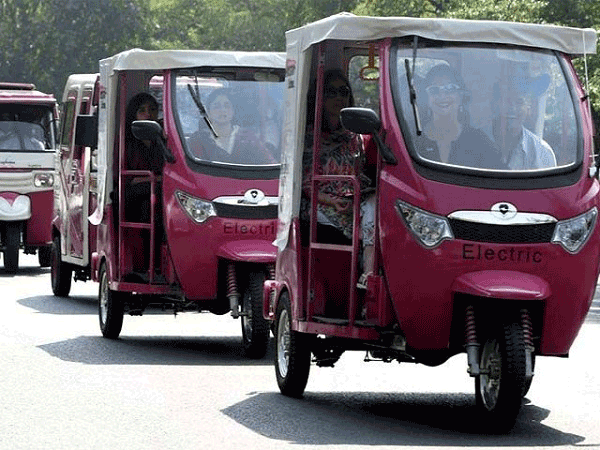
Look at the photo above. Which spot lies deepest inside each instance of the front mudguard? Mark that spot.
(251, 251)
(502, 285)
(15, 208)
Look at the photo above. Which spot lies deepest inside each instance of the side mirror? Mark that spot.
(86, 131)
(360, 120)
(366, 121)
(149, 130)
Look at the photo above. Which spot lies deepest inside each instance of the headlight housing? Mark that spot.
(43, 179)
(571, 234)
(429, 229)
(199, 210)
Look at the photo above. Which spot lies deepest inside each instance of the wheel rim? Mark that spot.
(491, 367)
(103, 299)
(283, 343)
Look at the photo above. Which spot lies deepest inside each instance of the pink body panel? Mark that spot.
(197, 247)
(39, 230)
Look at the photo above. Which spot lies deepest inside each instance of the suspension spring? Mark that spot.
(271, 271)
(470, 330)
(527, 330)
(232, 288)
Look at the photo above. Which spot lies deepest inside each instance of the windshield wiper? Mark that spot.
(196, 97)
(411, 86)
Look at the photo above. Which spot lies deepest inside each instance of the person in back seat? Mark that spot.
(342, 153)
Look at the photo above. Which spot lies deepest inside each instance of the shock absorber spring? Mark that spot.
(527, 330)
(470, 330)
(232, 291)
(471, 344)
(271, 271)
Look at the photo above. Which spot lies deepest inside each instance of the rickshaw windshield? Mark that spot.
(486, 108)
(230, 118)
(26, 129)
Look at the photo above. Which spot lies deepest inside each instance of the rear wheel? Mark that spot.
(255, 328)
(292, 352)
(60, 272)
(12, 243)
(110, 308)
(499, 388)
(45, 256)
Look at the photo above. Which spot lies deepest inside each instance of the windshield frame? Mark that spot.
(47, 124)
(215, 168)
(496, 179)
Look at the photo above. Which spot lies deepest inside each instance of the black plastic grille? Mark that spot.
(245, 211)
(502, 234)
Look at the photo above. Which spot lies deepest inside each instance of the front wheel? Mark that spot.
(45, 256)
(292, 352)
(60, 272)
(12, 242)
(111, 308)
(255, 328)
(499, 388)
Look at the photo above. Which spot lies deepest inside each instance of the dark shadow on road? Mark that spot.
(407, 419)
(156, 350)
(26, 271)
(49, 304)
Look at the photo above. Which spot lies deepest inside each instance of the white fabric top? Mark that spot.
(346, 26)
(138, 59)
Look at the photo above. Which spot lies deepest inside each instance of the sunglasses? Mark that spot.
(342, 91)
(450, 88)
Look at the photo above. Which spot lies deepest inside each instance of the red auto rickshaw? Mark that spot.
(28, 121)
(206, 243)
(486, 190)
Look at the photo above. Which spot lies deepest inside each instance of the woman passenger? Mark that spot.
(447, 135)
(341, 153)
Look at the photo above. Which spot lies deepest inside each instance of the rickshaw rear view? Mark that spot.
(453, 209)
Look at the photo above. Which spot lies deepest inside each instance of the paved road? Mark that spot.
(181, 383)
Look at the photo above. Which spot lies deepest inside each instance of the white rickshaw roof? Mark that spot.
(346, 26)
(138, 59)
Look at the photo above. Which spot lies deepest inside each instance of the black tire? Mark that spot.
(255, 328)
(11, 246)
(110, 308)
(292, 352)
(60, 272)
(45, 256)
(499, 390)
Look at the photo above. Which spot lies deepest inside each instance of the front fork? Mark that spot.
(472, 344)
(233, 293)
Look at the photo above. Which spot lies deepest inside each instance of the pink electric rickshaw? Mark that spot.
(480, 247)
(205, 242)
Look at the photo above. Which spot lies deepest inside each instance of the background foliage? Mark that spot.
(43, 41)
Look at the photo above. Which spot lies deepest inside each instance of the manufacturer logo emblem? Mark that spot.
(504, 210)
(254, 196)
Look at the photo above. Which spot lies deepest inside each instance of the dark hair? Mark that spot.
(444, 70)
(134, 104)
(219, 91)
(329, 77)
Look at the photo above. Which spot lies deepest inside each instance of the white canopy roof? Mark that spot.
(346, 26)
(138, 59)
